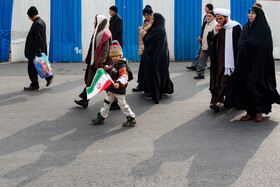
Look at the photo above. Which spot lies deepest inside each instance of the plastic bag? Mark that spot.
(43, 66)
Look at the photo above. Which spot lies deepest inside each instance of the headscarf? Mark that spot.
(259, 34)
(100, 35)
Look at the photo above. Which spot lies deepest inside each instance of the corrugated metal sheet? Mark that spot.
(131, 13)
(239, 10)
(187, 28)
(166, 8)
(89, 10)
(21, 25)
(65, 43)
(271, 10)
(6, 7)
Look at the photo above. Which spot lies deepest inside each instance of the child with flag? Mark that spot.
(119, 74)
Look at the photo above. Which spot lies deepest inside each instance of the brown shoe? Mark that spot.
(246, 118)
(259, 117)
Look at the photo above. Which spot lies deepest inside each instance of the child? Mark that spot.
(119, 74)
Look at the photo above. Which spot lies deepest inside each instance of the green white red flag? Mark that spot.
(100, 82)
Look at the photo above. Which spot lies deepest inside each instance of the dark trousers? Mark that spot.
(33, 74)
(141, 73)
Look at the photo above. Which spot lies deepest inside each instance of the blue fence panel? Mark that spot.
(187, 28)
(65, 41)
(239, 10)
(6, 8)
(131, 13)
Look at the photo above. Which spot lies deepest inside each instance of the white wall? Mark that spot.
(21, 25)
(89, 10)
(166, 8)
(271, 10)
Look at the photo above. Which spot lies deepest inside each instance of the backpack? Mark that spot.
(130, 74)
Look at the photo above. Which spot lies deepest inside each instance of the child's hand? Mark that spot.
(116, 86)
(106, 67)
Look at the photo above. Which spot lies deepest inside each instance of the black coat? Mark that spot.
(116, 28)
(253, 84)
(36, 39)
(203, 25)
(156, 60)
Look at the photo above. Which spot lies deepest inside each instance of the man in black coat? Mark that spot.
(116, 28)
(34, 46)
(116, 25)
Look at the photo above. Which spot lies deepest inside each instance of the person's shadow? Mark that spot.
(219, 149)
(64, 138)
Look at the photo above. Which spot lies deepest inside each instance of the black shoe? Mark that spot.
(192, 68)
(148, 96)
(31, 88)
(114, 105)
(215, 107)
(83, 103)
(49, 80)
(199, 77)
(138, 88)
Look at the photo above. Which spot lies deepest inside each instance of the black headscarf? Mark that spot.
(253, 84)
(156, 60)
(259, 34)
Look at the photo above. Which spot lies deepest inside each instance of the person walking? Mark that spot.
(147, 23)
(119, 75)
(223, 52)
(156, 61)
(211, 23)
(116, 25)
(35, 45)
(208, 8)
(253, 84)
(98, 54)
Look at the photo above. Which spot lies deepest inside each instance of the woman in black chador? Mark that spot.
(156, 61)
(253, 84)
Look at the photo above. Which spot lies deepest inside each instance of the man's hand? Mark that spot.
(139, 28)
(218, 27)
(199, 39)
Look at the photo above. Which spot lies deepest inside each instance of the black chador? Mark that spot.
(253, 84)
(156, 60)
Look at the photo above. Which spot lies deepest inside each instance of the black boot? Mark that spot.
(98, 120)
(83, 103)
(49, 80)
(138, 88)
(215, 107)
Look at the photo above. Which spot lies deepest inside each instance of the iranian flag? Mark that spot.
(100, 82)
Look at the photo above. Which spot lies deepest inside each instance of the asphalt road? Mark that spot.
(47, 140)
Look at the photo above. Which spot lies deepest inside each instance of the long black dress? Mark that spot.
(156, 60)
(253, 84)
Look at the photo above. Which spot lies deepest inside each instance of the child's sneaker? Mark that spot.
(98, 120)
(130, 122)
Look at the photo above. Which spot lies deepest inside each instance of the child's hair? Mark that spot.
(116, 49)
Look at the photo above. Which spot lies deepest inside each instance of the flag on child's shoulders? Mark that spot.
(100, 82)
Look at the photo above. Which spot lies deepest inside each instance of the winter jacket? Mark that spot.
(146, 26)
(116, 28)
(36, 39)
(119, 75)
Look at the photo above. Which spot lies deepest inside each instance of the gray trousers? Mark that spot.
(196, 60)
(202, 62)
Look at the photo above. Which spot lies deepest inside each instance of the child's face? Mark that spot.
(116, 58)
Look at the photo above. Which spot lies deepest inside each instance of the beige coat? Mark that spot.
(146, 26)
(208, 28)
